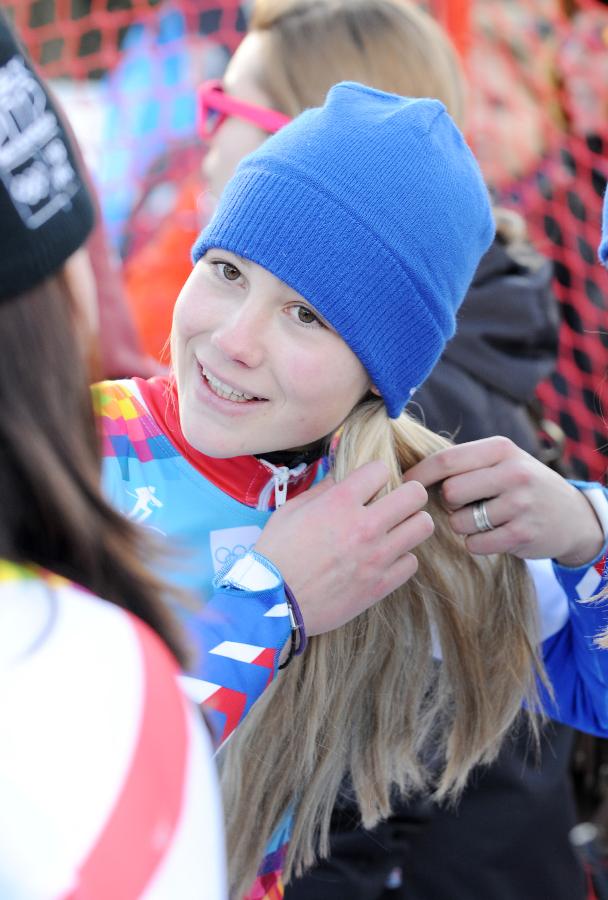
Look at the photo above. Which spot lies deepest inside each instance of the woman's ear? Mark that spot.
(375, 390)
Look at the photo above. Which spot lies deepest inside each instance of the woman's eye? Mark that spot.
(305, 316)
(229, 272)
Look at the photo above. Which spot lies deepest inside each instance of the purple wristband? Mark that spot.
(297, 614)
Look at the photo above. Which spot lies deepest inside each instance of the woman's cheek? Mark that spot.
(308, 379)
(190, 316)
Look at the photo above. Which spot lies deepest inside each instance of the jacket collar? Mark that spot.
(247, 479)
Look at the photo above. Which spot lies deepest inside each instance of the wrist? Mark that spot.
(299, 639)
(250, 572)
(255, 572)
(591, 529)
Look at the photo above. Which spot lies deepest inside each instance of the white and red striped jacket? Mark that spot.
(108, 789)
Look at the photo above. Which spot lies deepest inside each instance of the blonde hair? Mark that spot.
(391, 45)
(369, 700)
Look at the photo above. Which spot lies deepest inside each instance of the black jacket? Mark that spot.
(505, 344)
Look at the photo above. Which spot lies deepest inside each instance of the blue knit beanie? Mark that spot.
(603, 251)
(373, 208)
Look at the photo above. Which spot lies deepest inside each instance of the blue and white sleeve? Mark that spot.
(238, 638)
(576, 666)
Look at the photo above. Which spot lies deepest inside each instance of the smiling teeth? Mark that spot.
(225, 391)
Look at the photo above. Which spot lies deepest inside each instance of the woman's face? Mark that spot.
(236, 138)
(257, 370)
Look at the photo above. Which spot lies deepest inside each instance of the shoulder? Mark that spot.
(49, 622)
(84, 701)
(130, 435)
(117, 400)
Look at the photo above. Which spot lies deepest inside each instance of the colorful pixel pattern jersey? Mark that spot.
(236, 635)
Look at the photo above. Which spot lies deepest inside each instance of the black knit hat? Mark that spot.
(46, 212)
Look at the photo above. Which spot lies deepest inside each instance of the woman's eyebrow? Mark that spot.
(240, 259)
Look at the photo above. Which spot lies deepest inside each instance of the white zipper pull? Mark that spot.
(281, 479)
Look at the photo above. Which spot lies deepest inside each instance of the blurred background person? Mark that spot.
(93, 804)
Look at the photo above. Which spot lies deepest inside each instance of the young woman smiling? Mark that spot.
(505, 346)
(324, 289)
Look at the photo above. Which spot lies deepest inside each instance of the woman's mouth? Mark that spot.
(226, 391)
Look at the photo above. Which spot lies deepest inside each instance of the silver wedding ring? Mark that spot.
(480, 515)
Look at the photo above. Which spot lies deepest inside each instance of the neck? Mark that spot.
(293, 458)
(259, 481)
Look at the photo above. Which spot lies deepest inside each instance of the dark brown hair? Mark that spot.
(53, 512)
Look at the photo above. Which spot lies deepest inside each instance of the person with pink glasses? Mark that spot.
(216, 107)
(230, 126)
(236, 115)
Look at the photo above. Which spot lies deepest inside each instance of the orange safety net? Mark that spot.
(83, 38)
(538, 123)
(455, 16)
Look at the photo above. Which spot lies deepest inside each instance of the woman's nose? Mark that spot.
(242, 337)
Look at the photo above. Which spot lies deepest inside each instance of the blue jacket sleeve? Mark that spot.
(576, 666)
(237, 638)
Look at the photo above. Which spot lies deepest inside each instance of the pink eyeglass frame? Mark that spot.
(211, 96)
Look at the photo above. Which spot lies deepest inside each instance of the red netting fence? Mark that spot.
(539, 124)
(540, 127)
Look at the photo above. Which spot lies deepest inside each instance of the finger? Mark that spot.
(389, 511)
(364, 483)
(396, 575)
(408, 535)
(498, 511)
(463, 490)
(500, 540)
(459, 459)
